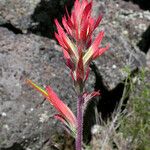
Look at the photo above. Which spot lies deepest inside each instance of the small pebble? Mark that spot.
(3, 114)
(114, 66)
(125, 32)
(28, 148)
(5, 126)
(43, 117)
(31, 109)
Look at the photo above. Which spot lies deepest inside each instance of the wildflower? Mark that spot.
(76, 39)
(65, 115)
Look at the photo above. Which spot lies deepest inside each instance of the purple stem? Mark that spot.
(79, 123)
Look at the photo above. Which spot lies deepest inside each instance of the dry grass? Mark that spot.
(128, 129)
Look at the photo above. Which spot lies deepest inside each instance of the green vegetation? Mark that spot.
(129, 129)
(135, 125)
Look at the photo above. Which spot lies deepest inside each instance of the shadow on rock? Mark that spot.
(12, 28)
(15, 146)
(144, 44)
(106, 104)
(44, 16)
(108, 99)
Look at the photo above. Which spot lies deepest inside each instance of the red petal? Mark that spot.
(61, 118)
(89, 42)
(83, 4)
(69, 63)
(80, 69)
(62, 36)
(92, 51)
(61, 33)
(89, 96)
(60, 40)
(75, 20)
(97, 41)
(95, 93)
(87, 11)
(59, 28)
(77, 6)
(85, 20)
(91, 24)
(68, 128)
(83, 32)
(87, 73)
(65, 41)
(60, 106)
(66, 26)
(98, 21)
(100, 52)
(69, 22)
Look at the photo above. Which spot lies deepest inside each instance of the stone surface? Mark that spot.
(32, 15)
(148, 59)
(123, 52)
(39, 59)
(17, 12)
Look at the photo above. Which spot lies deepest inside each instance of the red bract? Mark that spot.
(76, 39)
(65, 115)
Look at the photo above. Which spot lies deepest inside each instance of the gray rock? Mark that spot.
(39, 59)
(120, 55)
(148, 59)
(32, 15)
(18, 12)
(122, 52)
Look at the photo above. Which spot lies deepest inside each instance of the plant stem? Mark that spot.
(79, 123)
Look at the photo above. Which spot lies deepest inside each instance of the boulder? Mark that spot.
(122, 53)
(18, 12)
(23, 119)
(36, 16)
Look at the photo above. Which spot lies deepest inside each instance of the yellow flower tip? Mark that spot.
(36, 87)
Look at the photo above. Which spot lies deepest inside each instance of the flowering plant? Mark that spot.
(79, 50)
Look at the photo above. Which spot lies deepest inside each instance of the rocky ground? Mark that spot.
(27, 50)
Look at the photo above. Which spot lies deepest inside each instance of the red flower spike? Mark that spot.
(80, 27)
(65, 114)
